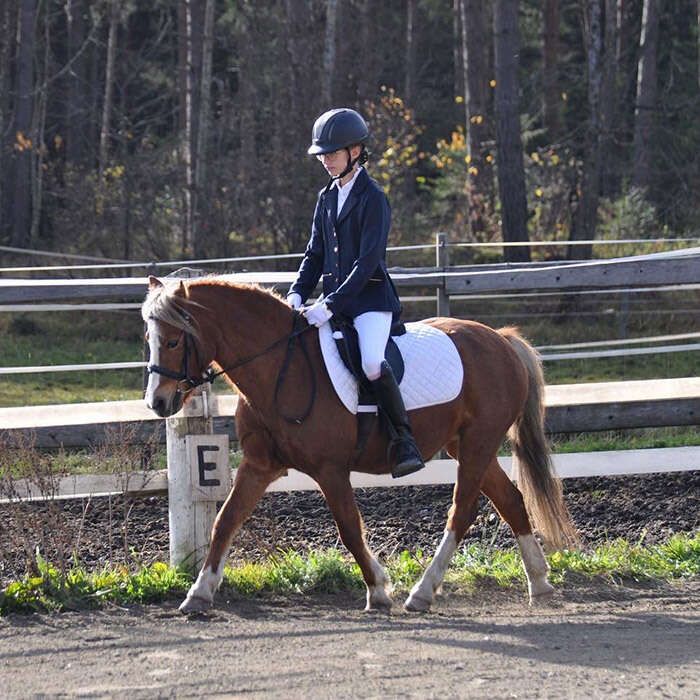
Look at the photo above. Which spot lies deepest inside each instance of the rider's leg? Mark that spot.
(373, 329)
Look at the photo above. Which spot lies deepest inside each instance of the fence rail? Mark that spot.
(571, 408)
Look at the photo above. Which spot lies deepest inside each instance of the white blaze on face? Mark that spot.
(154, 359)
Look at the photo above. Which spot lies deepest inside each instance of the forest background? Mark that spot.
(136, 130)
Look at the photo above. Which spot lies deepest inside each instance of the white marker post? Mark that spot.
(198, 477)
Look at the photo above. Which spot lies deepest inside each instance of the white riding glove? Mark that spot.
(318, 314)
(294, 300)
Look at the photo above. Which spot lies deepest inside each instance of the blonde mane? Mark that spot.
(169, 305)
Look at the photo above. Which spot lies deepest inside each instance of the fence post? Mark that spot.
(198, 477)
(442, 262)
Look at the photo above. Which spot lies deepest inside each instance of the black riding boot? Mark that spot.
(407, 456)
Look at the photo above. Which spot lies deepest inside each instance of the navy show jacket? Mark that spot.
(350, 252)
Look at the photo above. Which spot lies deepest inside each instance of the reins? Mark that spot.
(209, 375)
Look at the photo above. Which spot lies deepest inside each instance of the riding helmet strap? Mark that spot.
(362, 158)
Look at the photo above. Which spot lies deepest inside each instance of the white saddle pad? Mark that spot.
(433, 369)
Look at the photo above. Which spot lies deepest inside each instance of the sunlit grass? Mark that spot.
(331, 571)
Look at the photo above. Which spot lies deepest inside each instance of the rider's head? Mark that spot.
(338, 141)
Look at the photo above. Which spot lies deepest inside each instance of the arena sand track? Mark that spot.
(596, 640)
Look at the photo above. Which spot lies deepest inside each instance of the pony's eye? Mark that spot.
(173, 343)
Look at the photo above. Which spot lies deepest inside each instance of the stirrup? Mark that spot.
(413, 464)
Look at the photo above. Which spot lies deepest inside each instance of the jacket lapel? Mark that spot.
(330, 203)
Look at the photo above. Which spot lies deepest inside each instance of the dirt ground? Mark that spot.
(596, 640)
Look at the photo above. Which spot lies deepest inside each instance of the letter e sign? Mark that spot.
(209, 468)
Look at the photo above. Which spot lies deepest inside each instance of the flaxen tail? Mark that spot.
(541, 489)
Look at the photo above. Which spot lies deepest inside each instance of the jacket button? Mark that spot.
(335, 250)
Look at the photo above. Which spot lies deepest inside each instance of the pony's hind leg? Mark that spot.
(472, 465)
(339, 495)
(508, 501)
(250, 485)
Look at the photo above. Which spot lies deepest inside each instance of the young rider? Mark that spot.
(348, 247)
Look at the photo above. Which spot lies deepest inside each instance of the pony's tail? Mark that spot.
(541, 489)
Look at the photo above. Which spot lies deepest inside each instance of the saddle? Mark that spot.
(348, 345)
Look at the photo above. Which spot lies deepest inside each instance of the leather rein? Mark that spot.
(184, 378)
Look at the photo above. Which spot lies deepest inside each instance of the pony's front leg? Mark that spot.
(250, 485)
(338, 492)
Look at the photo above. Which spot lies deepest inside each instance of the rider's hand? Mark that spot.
(318, 314)
(294, 300)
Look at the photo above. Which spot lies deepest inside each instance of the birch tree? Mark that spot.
(646, 96)
(329, 75)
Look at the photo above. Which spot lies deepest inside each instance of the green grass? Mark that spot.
(330, 571)
(636, 439)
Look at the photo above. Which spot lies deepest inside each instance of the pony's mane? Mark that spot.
(167, 305)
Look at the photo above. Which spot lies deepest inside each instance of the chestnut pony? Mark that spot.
(243, 331)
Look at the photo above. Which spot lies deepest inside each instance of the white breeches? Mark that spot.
(373, 328)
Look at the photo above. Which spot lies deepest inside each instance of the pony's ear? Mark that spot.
(154, 282)
(181, 290)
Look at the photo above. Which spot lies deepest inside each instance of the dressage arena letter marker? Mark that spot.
(209, 471)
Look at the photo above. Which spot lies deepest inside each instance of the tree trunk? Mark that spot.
(609, 102)
(200, 190)
(475, 66)
(105, 129)
(186, 89)
(7, 35)
(585, 225)
(410, 76)
(646, 96)
(511, 174)
(365, 85)
(550, 78)
(76, 82)
(38, 129)
(329, 75)
(458, 79)
(24, 106)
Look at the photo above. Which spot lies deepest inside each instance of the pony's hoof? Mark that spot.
(193, 604)
(378, 605)
(415, 604)
(543, 596)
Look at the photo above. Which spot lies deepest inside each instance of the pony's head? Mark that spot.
(177, 364)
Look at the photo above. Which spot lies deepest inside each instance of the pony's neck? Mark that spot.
(248, 321)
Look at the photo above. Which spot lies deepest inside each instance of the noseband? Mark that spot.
(183, 376)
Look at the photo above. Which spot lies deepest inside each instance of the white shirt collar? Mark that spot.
(348, 185)
(344, 190)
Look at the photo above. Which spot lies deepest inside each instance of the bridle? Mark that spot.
(186, 382)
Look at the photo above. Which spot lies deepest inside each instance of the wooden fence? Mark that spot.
(570, 408)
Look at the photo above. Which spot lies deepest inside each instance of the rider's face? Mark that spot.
(337, 161)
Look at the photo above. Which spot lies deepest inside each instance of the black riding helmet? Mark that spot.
(337, 129)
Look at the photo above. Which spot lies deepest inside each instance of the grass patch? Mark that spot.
(637, 439)
(330, 571)
(53, 590)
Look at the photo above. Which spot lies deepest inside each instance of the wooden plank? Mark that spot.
(633, 390)
(100, 423)
(439, 471)
(570, 408)
(98, 412)
(589, 275)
